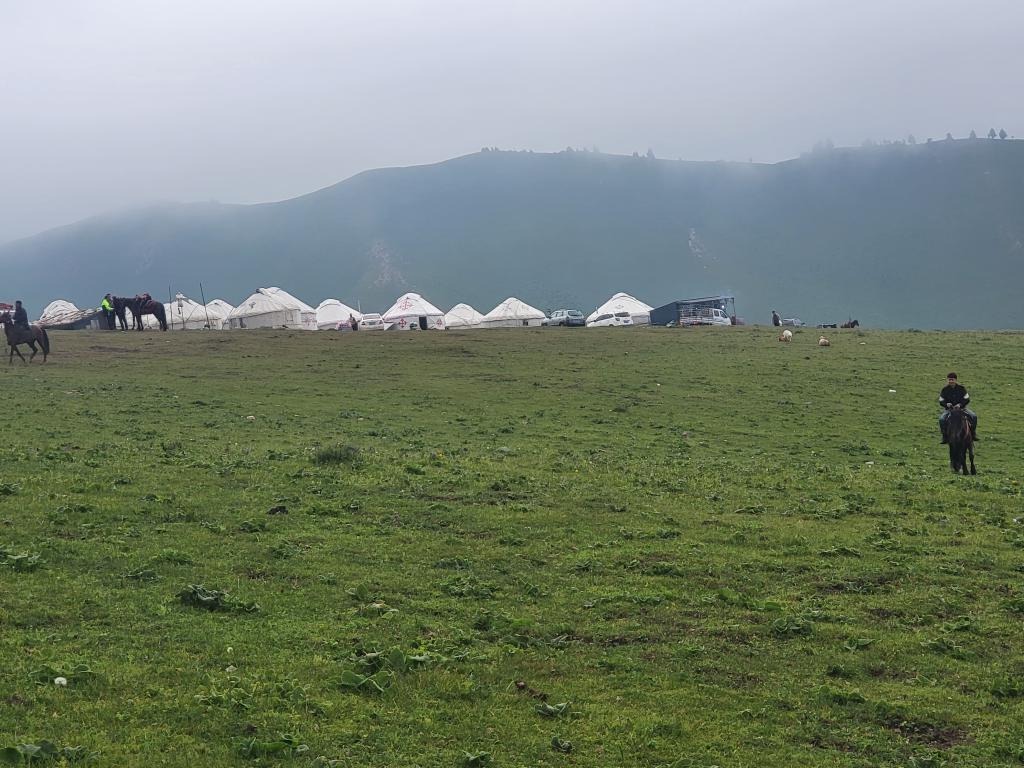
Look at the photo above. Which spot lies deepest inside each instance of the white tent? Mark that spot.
(513, 313)
(65, 315)
(331, 314)
(183, 314)
(219, 311)
(57, 311)
(462, 316)
(272, 308)
(413, 311)
(623, 302)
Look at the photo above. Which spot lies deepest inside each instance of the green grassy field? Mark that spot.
(511, 548)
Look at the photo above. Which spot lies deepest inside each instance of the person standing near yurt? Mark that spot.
(108, 311)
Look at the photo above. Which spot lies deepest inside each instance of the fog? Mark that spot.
(107, 104)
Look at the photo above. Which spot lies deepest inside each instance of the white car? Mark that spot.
(706, 316)
(618, 319)
(372, 322)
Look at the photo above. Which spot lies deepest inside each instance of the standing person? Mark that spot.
(20, 315)
(352, 322)
(776, 320)
(108, 311)
(955, 395)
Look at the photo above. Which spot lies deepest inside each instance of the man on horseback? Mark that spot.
(955, 395)
(20, 316)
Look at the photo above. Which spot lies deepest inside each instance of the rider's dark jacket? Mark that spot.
(954, 394)
(21, 317)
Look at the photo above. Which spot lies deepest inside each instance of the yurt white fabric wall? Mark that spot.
(462, 316)
(332, 314)
(513, 313)
(272, 308)
(623, 302)
(412, 311)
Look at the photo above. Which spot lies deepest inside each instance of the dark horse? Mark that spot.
(141, 306)
(961, 441)
(120, 305)
(151, 307)
(851, 324)
(17, 336)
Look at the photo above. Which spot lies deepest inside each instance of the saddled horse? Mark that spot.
(16, 335)
(851, 324)
(141, 306)
(957, 431)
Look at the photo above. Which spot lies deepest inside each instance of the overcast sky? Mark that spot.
(106, 104)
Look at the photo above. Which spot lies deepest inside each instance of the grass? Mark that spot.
(512, 548)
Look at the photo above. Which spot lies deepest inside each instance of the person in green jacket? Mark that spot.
(107, 305)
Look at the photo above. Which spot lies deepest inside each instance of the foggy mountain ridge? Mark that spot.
(885, 234)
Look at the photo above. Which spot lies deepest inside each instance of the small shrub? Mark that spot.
(338, 454)
(198, 596)
(284, 746)
(23, 563)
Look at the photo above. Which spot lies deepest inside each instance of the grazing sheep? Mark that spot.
(823, 342)
(786, 335)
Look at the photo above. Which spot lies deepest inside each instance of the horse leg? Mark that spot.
(970, 451)
(35, 351)
(14, 348)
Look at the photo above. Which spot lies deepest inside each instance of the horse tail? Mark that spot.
(161, 315)
(44, 342)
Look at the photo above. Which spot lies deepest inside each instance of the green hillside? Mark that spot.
(926, 236)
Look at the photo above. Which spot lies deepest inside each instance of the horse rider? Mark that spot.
(955, 395)
(776, 320)
(107, 305)
(20, 316)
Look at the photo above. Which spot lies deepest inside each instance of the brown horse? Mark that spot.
(142, 305)
(850, 324)
(17, 336)
(154, 308)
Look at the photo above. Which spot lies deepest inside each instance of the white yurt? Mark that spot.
(272, 308)
(66, 316)
(513, 313)
(412, 311)
(58, 311)
(331, 315)
(219, 311)
(462, 316)
(623, 302)
(184, 314)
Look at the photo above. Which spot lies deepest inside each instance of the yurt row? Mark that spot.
(276, 308)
